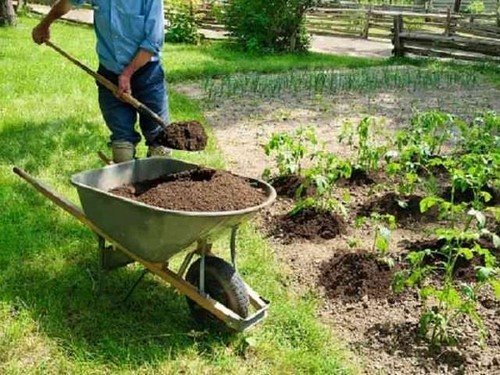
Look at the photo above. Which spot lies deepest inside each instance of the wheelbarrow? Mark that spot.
(130, 231)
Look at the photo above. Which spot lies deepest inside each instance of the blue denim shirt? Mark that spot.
(124, 26)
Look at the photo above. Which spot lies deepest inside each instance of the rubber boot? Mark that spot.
(159, 151)
(122, 151)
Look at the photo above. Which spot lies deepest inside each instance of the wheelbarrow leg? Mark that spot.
(232, 246)
(132, 288)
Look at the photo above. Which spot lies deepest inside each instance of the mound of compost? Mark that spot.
(310, 224)
(467, 195)
(199, 189)
(403, 208)
(464, 270)
(350, 277)
(184, 135)
(359, 177)
(287, 186)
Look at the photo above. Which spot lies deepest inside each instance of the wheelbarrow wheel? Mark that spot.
(222, 283)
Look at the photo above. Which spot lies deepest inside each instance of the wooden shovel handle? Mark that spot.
(127, 98)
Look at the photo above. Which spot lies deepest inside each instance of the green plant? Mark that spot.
(384, 225)
(183, 26)
(447, 301)
(481, 136)
(475, 7)
(362, 139)
(322, 176)
(335, 81)
(290, 150)
(274, 26)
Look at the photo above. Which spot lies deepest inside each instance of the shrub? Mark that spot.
(182, 21)
(276, 26)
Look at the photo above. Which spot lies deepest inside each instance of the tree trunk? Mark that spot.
(7, 14)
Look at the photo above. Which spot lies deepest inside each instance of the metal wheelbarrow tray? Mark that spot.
(131, 231)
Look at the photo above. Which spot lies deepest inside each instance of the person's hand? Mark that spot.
(41, 33)
(124, 83)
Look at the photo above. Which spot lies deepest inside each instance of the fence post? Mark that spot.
(398, 50)
(498, 13)
(367, 23)
(456, 7)
(447, 27)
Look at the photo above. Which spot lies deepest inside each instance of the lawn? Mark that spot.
(51, 320)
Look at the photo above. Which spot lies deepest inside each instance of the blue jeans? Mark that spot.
(148, 86)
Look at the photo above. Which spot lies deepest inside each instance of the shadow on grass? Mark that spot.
(49, 263)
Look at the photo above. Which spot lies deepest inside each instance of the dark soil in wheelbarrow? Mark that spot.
(201, 189)
(185, 135)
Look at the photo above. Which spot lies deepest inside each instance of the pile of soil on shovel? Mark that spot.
(310, 224)
(185, 135)
(200, 189)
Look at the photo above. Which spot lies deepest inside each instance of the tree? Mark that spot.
(7, 14)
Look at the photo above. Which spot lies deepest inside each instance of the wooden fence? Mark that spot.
(459, 41)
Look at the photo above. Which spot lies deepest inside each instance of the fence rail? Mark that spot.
(471, 45)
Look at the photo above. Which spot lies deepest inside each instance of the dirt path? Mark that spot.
(325, 44)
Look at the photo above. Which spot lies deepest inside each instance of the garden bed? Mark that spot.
(358, 302)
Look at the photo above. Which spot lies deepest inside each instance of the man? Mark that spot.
(130, 35)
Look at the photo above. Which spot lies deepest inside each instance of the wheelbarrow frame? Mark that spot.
(162, 270)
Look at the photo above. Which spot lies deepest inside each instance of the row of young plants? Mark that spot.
(434, 150)
(334, 81)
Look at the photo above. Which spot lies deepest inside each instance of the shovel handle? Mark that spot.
(127, 98)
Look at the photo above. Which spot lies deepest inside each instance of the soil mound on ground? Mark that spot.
(200, 189)
(185, 135)
(359, 177)
(310, 224)
(403, 208)
(465, 270)
(467, 195)
(354, 276)
(287, 186)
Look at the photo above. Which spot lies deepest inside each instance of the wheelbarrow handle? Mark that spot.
(127, 98)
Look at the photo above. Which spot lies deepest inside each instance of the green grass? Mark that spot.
(51, 320)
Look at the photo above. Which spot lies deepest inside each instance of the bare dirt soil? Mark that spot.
(357, 302)
(199, 189)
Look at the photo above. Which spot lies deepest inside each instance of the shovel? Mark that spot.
(189, 135)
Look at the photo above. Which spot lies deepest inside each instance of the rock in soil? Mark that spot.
(200, 189)
(185, 135)
(354, 277)
(309, 224)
